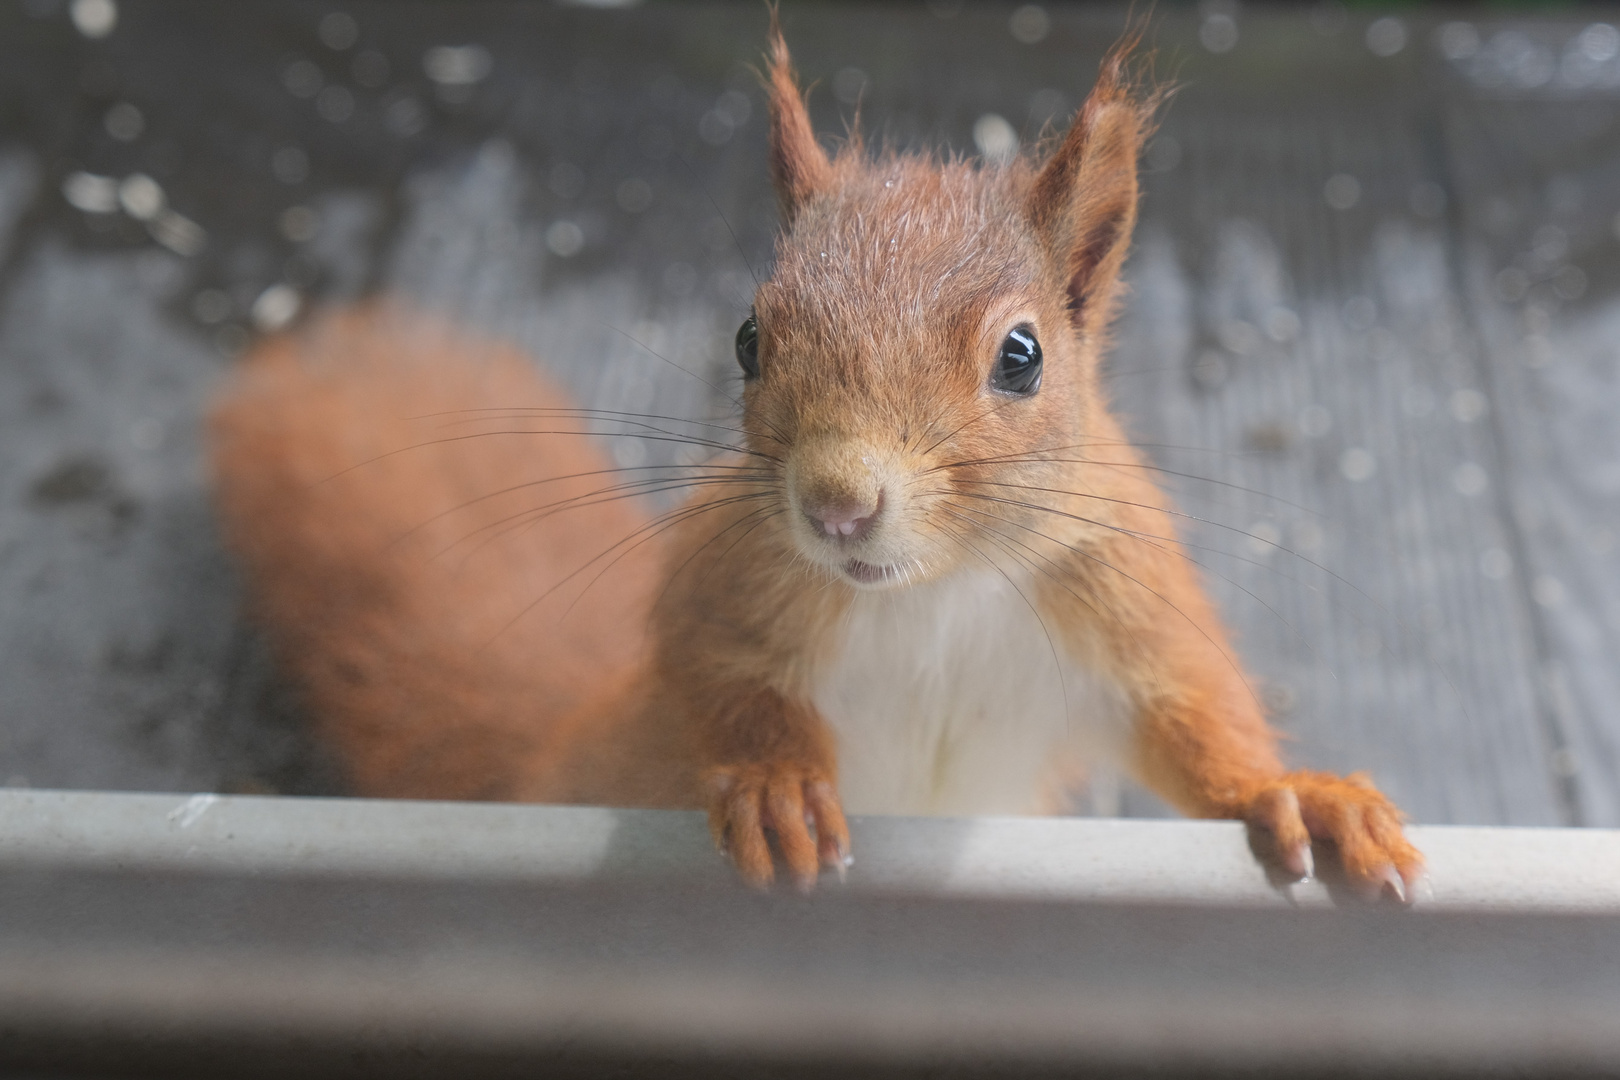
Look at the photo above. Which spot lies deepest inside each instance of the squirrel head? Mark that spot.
(932, 329)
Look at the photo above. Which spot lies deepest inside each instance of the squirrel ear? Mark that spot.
(800, 168)
(1083, 200)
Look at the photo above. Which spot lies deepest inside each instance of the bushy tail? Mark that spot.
(384, 481)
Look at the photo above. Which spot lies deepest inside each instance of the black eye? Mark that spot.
(748, 347)
(1018, 364)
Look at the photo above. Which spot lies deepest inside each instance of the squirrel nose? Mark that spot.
(844, 520)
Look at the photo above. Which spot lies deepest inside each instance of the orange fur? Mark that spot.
(893, 287)
(349, 488)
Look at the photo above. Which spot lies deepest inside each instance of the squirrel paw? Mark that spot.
(788, 800)
(1349, 813)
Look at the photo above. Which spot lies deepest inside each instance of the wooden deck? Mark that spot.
(1374, 321)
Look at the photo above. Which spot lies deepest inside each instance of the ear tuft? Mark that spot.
(800, 168)
(1083, 201)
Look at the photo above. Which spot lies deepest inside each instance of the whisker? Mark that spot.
(656, 528)
(1053, 577)
(1205, 450)
(680, 441)
(1138, 505)
(741, 254)
(1083, 553)
(670, 579)
(1173, 549)
(617, 416)
(753, 472)
(1057, 660)
(997, 407)
(1028, 457)
(768, 511)
(534, 515)
(642, 345)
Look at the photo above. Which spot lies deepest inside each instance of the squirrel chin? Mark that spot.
(871, 576)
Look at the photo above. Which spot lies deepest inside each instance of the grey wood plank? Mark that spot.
(1542, 274)
(1402, 657)
(19, 177)
(1319, 352)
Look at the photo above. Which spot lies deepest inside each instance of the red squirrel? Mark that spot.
(929, 574)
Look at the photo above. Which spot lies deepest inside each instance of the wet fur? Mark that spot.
(1034, 562)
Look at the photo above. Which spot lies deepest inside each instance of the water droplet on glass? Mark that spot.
(1570, 283)
(1470, 479)
(1386, 36)
(1600, 42)
(91, 193)
(302, 79)
(1030, 24)
(275, 308)
(1342, 191)
(1163, 154)
(1495, 564)
(565, 239)
(1468, 405)
(995, 138)
(179, 234)
(735, 106)
(140, 196)
(1315, 421)
(1282, 325)
(335, 104)
(1219, 33)
(1457, 40)
(1511, 285)
(290, 165)
(1211, 370)
(124, 122)
(1263, 538)
(405, 116)
(1047, 105)
(849, 84)
(457, 65)
(339, 31)
(1237, 336)
(1417, 401)
(1359, 313)
(299, 224)
(94, 18)
(1357, 464)
(634, 195)
(715, 128)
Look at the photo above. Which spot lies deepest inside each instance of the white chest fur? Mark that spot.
(951, 698)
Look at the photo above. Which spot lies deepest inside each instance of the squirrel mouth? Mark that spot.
(866, 573)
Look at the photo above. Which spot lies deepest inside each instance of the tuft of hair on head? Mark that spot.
(1083, 199)
(800, 168)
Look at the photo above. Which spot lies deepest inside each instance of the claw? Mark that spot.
(1372, 889)
(1300, 862)
(1421, 889)
(1392, 881)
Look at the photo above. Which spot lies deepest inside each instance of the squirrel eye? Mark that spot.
(1018, 364)
(748, 348)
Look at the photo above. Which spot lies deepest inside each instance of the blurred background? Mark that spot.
(1373, 334)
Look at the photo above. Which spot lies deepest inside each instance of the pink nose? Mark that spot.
(841, 521)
